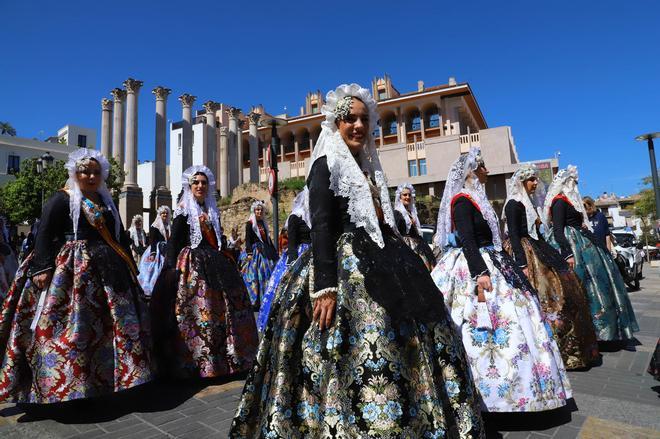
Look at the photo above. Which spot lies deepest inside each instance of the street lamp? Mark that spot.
(271, 155)
(654, 168)
(43, 163)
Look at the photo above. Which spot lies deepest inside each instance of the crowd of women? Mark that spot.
(365, 331)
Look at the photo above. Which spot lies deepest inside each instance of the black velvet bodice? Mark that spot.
(56, 227)
(154, 238)
(180, 238)
(564, 214)
(400, 222)
(516, 222)
(473, 233)
(299, 233)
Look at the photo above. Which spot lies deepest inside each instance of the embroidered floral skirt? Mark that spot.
(564, 302)
(273, 283)
(515, 362)
(92, 334)
(611, 310)
(256, 273)
(654, 367)
(150, 266)
(370, 374)
(203, 320)
(422, 249)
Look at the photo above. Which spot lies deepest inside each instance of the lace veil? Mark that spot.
(79, 159)
(301, 208)
(565, 182)
(190, 207)
(347, 177)
(138, 237)
(461, 179)
(398, 205)
(516, 191)
(158, 222)
(253, 218)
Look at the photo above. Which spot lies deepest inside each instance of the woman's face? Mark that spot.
(530, 185)
(89, 178)
(258, 212)
(354, 129)
(482, 174)
(138, 224)
(199, 187)
(406, 197)
(164, 216)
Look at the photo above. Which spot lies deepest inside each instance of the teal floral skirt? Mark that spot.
(371, 374)
(611, 310)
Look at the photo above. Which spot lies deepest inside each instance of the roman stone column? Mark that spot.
(209, 157)
(118, 96)
(223, 171)
(239, 151)
(253, 119)
(106, 128)
(232, 140)
(130, 200)
(187, 102)
(160, 195)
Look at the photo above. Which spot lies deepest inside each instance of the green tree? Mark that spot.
(7, 129)
(645, 206)
(21, 198)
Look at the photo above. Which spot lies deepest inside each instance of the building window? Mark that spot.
(375, 133)
(416, 124)
(315, 108)
(82, 141)
(382, 94)
(434, 121)
(412, 168)
(180, 140)
(422, 166)
(392, 127)
(13, 164)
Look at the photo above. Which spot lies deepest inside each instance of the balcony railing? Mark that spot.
(298, 169)
(469, 140)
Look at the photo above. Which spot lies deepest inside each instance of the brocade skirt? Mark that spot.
(422, 249)
(563, 300)
(91, 338)
(256, 272)
(611, 310)
(371, 374)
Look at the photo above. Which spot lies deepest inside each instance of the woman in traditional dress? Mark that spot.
(138, 238)
(260, 254)
(298, 224)
(562, 296)
(153, 260)
(363, 347)
(203, 322)
(74, 324)
(407, 222)
(612, 313)
(513, 355)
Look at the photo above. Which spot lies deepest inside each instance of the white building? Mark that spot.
(145, 178)
(13, 150)
(80, 137)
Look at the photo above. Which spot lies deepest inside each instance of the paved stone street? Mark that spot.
(617, 399)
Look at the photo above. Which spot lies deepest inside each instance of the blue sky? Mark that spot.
(578, 77)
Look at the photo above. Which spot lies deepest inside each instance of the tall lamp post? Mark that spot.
(271, 155)
(654, 168)
(44, 162)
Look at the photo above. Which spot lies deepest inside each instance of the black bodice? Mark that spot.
(564, 214)
(516, 222)
(299, 233)
(56, 227)
(180, 238)
(473, 233)
(400, 222)
(154, 238)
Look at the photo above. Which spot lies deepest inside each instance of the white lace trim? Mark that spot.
(565, 182)
(516, 191)
(193, 210)
(324, 292)
(347, 178)
(398, 205)
(75, 194)
(158, 224)
(253, 220)
(300, 208)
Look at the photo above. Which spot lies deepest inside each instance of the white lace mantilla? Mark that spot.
(300, 208)
(565, 182)
(407, 213)
(516, 191)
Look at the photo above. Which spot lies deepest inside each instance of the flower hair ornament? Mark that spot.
(78, 161)
(347, 177)
(300, 208)
(253, 218)
(190, 207)
(516, 191)
(411, 211)
(462, 179)
(565, 183)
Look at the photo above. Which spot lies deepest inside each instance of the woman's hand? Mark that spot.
(483, 284)
(571, 262)
(42, 280)
(324, 310)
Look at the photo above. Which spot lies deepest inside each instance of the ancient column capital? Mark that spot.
(118, 94)
(161, 93)
(211, 106)
(233, 112)
(132, 85)
(223, 130)
(187, 100)
(253, 118)
(106, 104)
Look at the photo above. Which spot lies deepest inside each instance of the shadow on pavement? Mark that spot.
(531, 421)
